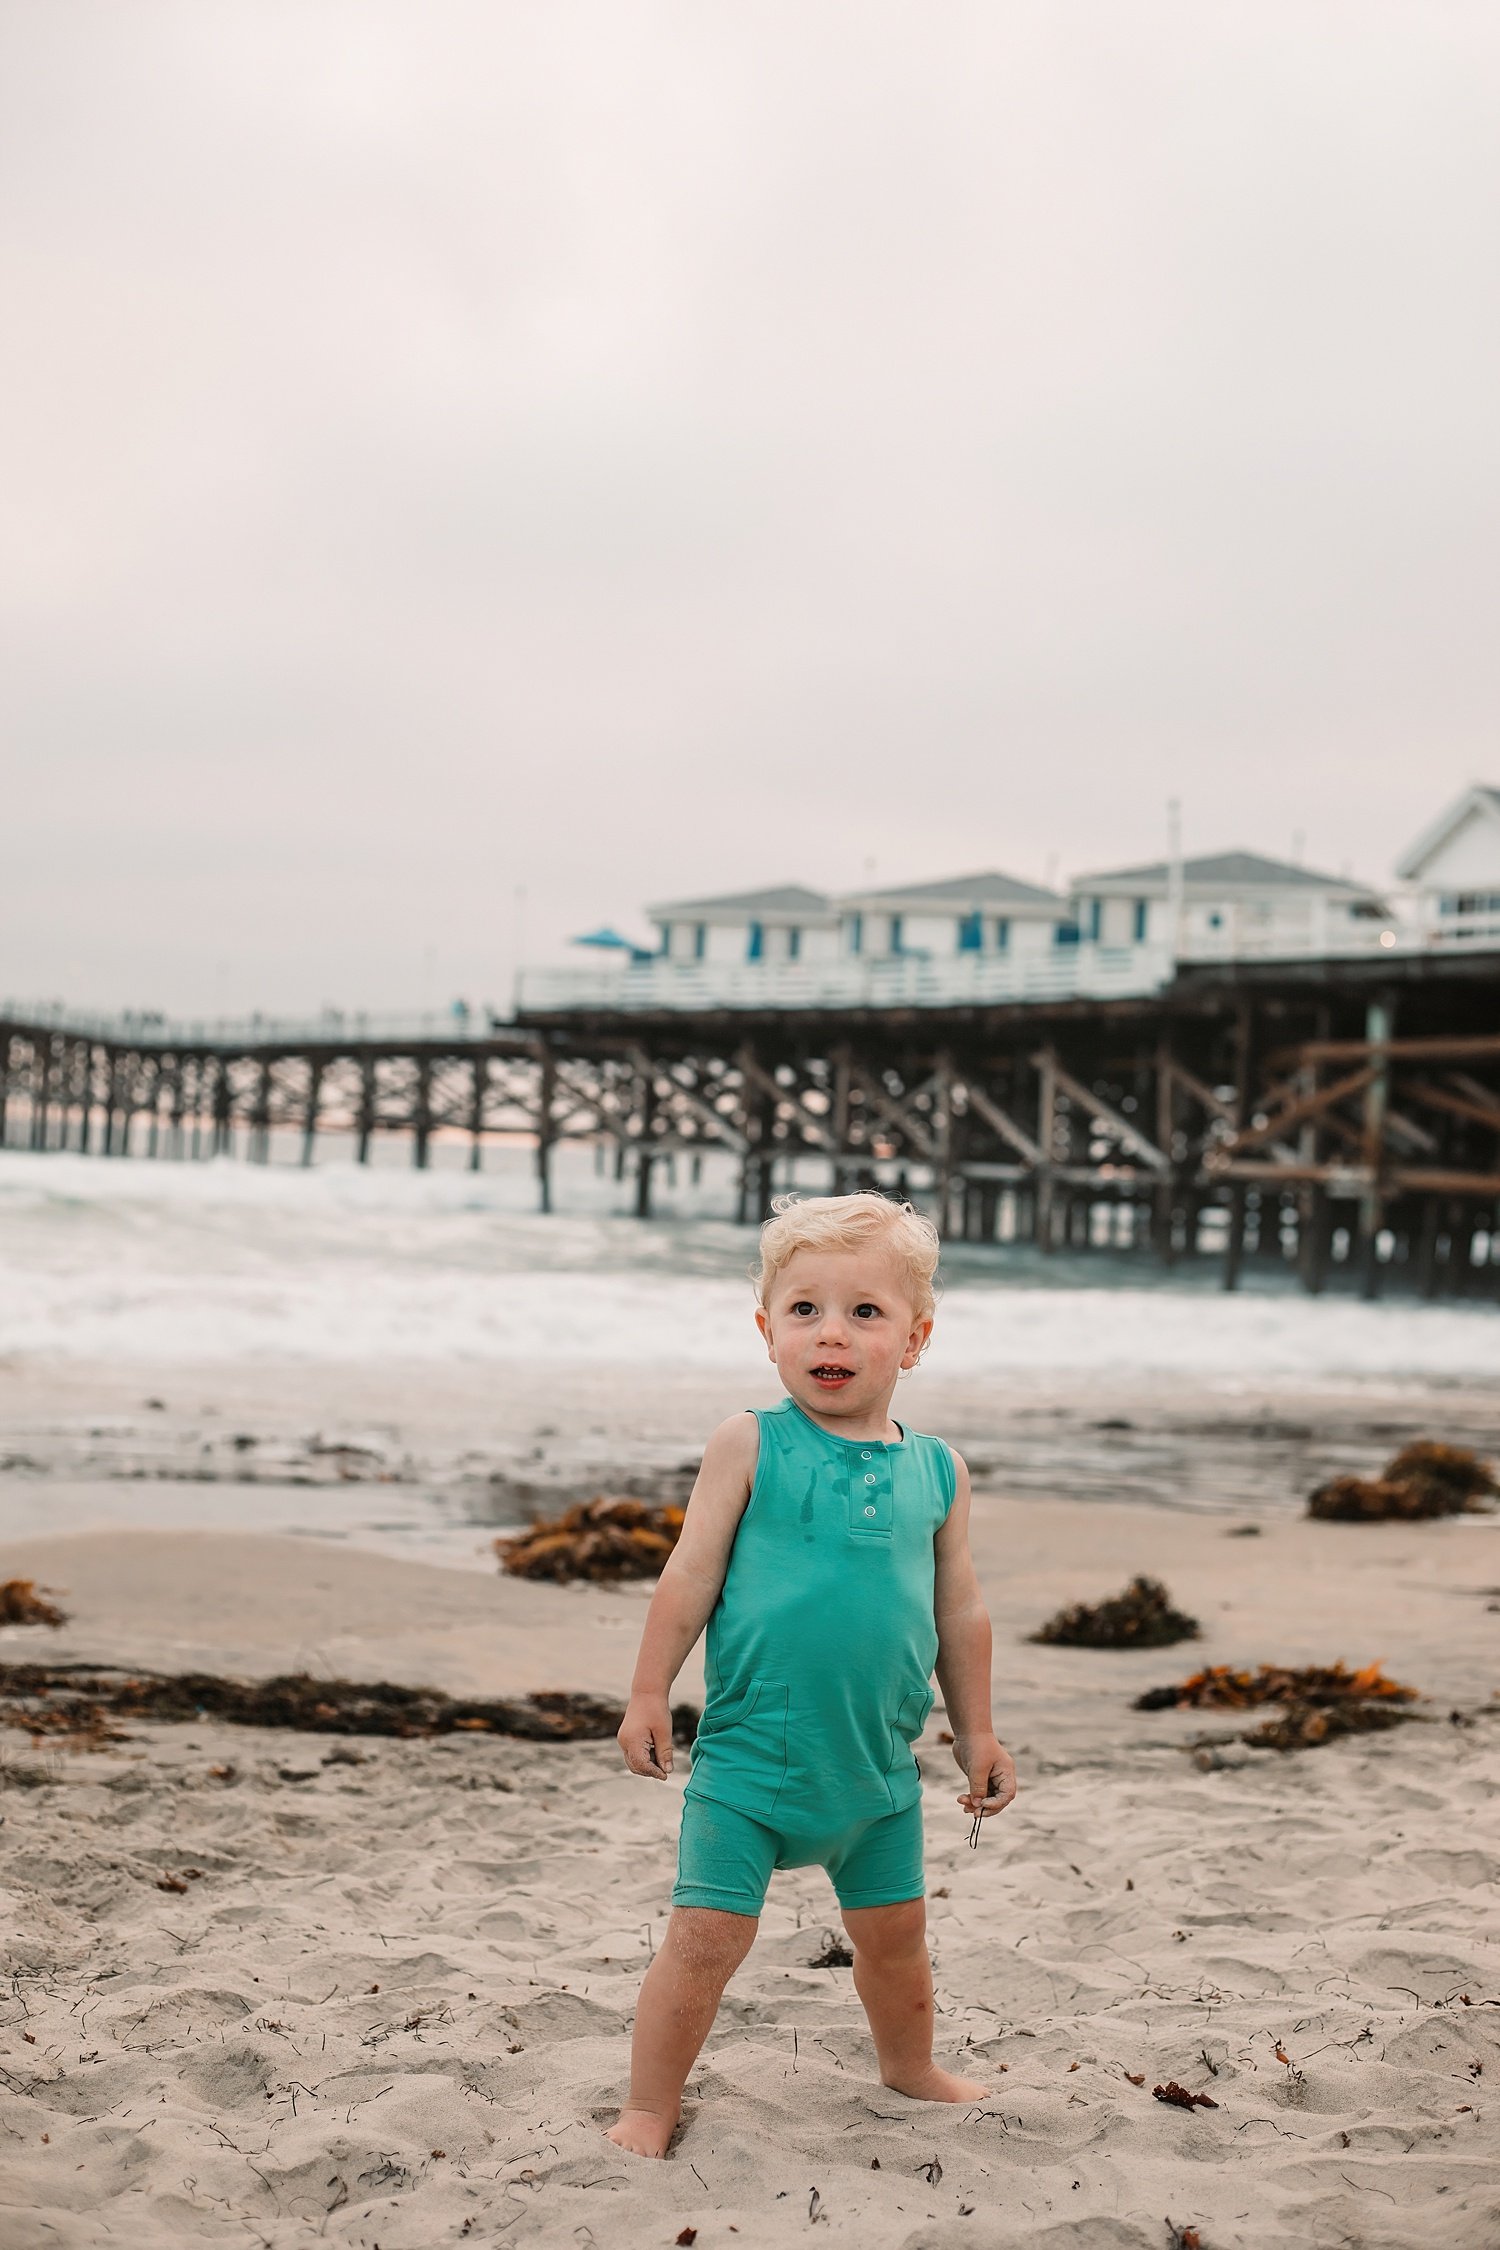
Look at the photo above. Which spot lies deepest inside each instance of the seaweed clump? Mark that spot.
(22, 1603)
(75, 1699)
(1220, 1688)
(1425, 1479)
(1141, 1617)
(600, 1540)
(1322, 1702)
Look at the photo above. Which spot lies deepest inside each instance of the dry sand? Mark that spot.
(392, 2006)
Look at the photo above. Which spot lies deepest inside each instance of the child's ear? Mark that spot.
(916, 1342)
(764, 1325)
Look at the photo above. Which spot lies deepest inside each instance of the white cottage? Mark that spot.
(1227, 903)
(787, 923)
(1454, 869)
(963, 914)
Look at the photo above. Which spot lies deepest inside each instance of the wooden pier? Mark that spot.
(1342, 1116)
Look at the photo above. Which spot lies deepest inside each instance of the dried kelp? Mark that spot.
(23, 1603)
(1305, 1726)
(1220, 1688)
(600, 1539)
(60, 1696)
(832, 1954)
(1425, 1479)
(1141, 1617)
(1180, 2098)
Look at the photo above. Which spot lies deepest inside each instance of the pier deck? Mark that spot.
(1340, 1114)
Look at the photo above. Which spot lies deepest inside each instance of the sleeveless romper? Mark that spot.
(818, 1666)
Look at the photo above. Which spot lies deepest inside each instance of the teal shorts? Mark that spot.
(725, 1859)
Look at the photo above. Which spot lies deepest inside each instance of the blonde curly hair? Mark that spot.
(850, 1222)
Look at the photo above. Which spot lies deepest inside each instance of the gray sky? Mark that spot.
(631, 450)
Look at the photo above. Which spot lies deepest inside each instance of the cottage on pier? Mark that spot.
(1227, 904)
(973, 914)
(1454, 868)
(784, 924)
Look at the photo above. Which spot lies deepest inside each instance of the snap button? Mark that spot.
(869, 1511)
(865, 1457)
(870, 1479)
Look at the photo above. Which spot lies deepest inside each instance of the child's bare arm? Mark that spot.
(963, 1664)
(687, 1590)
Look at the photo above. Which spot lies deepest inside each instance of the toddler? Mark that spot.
(826, 1549)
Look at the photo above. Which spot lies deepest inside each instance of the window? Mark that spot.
(1216, 920)
(895, 933)
(970, 933)
(1141, 907)
(1065, 933)
(1096, 918)
(755, 945)
(700, 940)
(856, 933)
(1002, 935)
(793, 944)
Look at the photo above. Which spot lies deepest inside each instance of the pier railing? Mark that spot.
(1085, 971)
(334, 1027)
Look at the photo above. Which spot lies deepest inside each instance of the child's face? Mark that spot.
(839, 1326)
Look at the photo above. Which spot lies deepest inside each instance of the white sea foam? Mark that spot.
(158, 1262)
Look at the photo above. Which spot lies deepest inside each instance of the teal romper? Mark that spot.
(818, 1666)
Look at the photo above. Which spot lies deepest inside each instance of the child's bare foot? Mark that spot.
(645, 2133)
(934, 2085)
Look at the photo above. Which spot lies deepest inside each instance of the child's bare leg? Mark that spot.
(893, 1977)
(679, 2000)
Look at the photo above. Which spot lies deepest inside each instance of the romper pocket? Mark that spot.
(739, 1756)
(908, 1724)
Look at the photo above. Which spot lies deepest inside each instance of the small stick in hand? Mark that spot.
(974, 1833)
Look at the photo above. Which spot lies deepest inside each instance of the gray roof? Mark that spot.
(786, 899)
(1237, 870)
(989, 889)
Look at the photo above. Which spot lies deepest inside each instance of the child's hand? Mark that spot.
(991, 1771)
(645, 1736)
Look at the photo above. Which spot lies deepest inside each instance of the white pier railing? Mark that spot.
(1083, 972)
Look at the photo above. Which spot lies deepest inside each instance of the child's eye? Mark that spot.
(867, 1312)
(802, 1307)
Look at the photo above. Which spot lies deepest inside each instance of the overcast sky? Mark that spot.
(469, 469)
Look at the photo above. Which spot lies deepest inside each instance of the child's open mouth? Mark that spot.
(831, 1378)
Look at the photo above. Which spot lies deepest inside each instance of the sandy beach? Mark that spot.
(392, 2004)
(253, 1421)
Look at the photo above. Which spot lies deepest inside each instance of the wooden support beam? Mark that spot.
(1487, 1099)
(1046, 1065)
(1436, 1050)
(815, 1127)
(421, 1116)
(1379, 1022)
(1120, 1126)
(899, 1113)
(1294, 1112)
(545, 1125)
(1234, 1237)
(644, 1152)
(1002, 1123)
(1452, 1105)
(479, 1086)
(1203, 1095)
(310, 1112)
(942, 1139)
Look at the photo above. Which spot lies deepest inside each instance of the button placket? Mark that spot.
(870, 1495)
